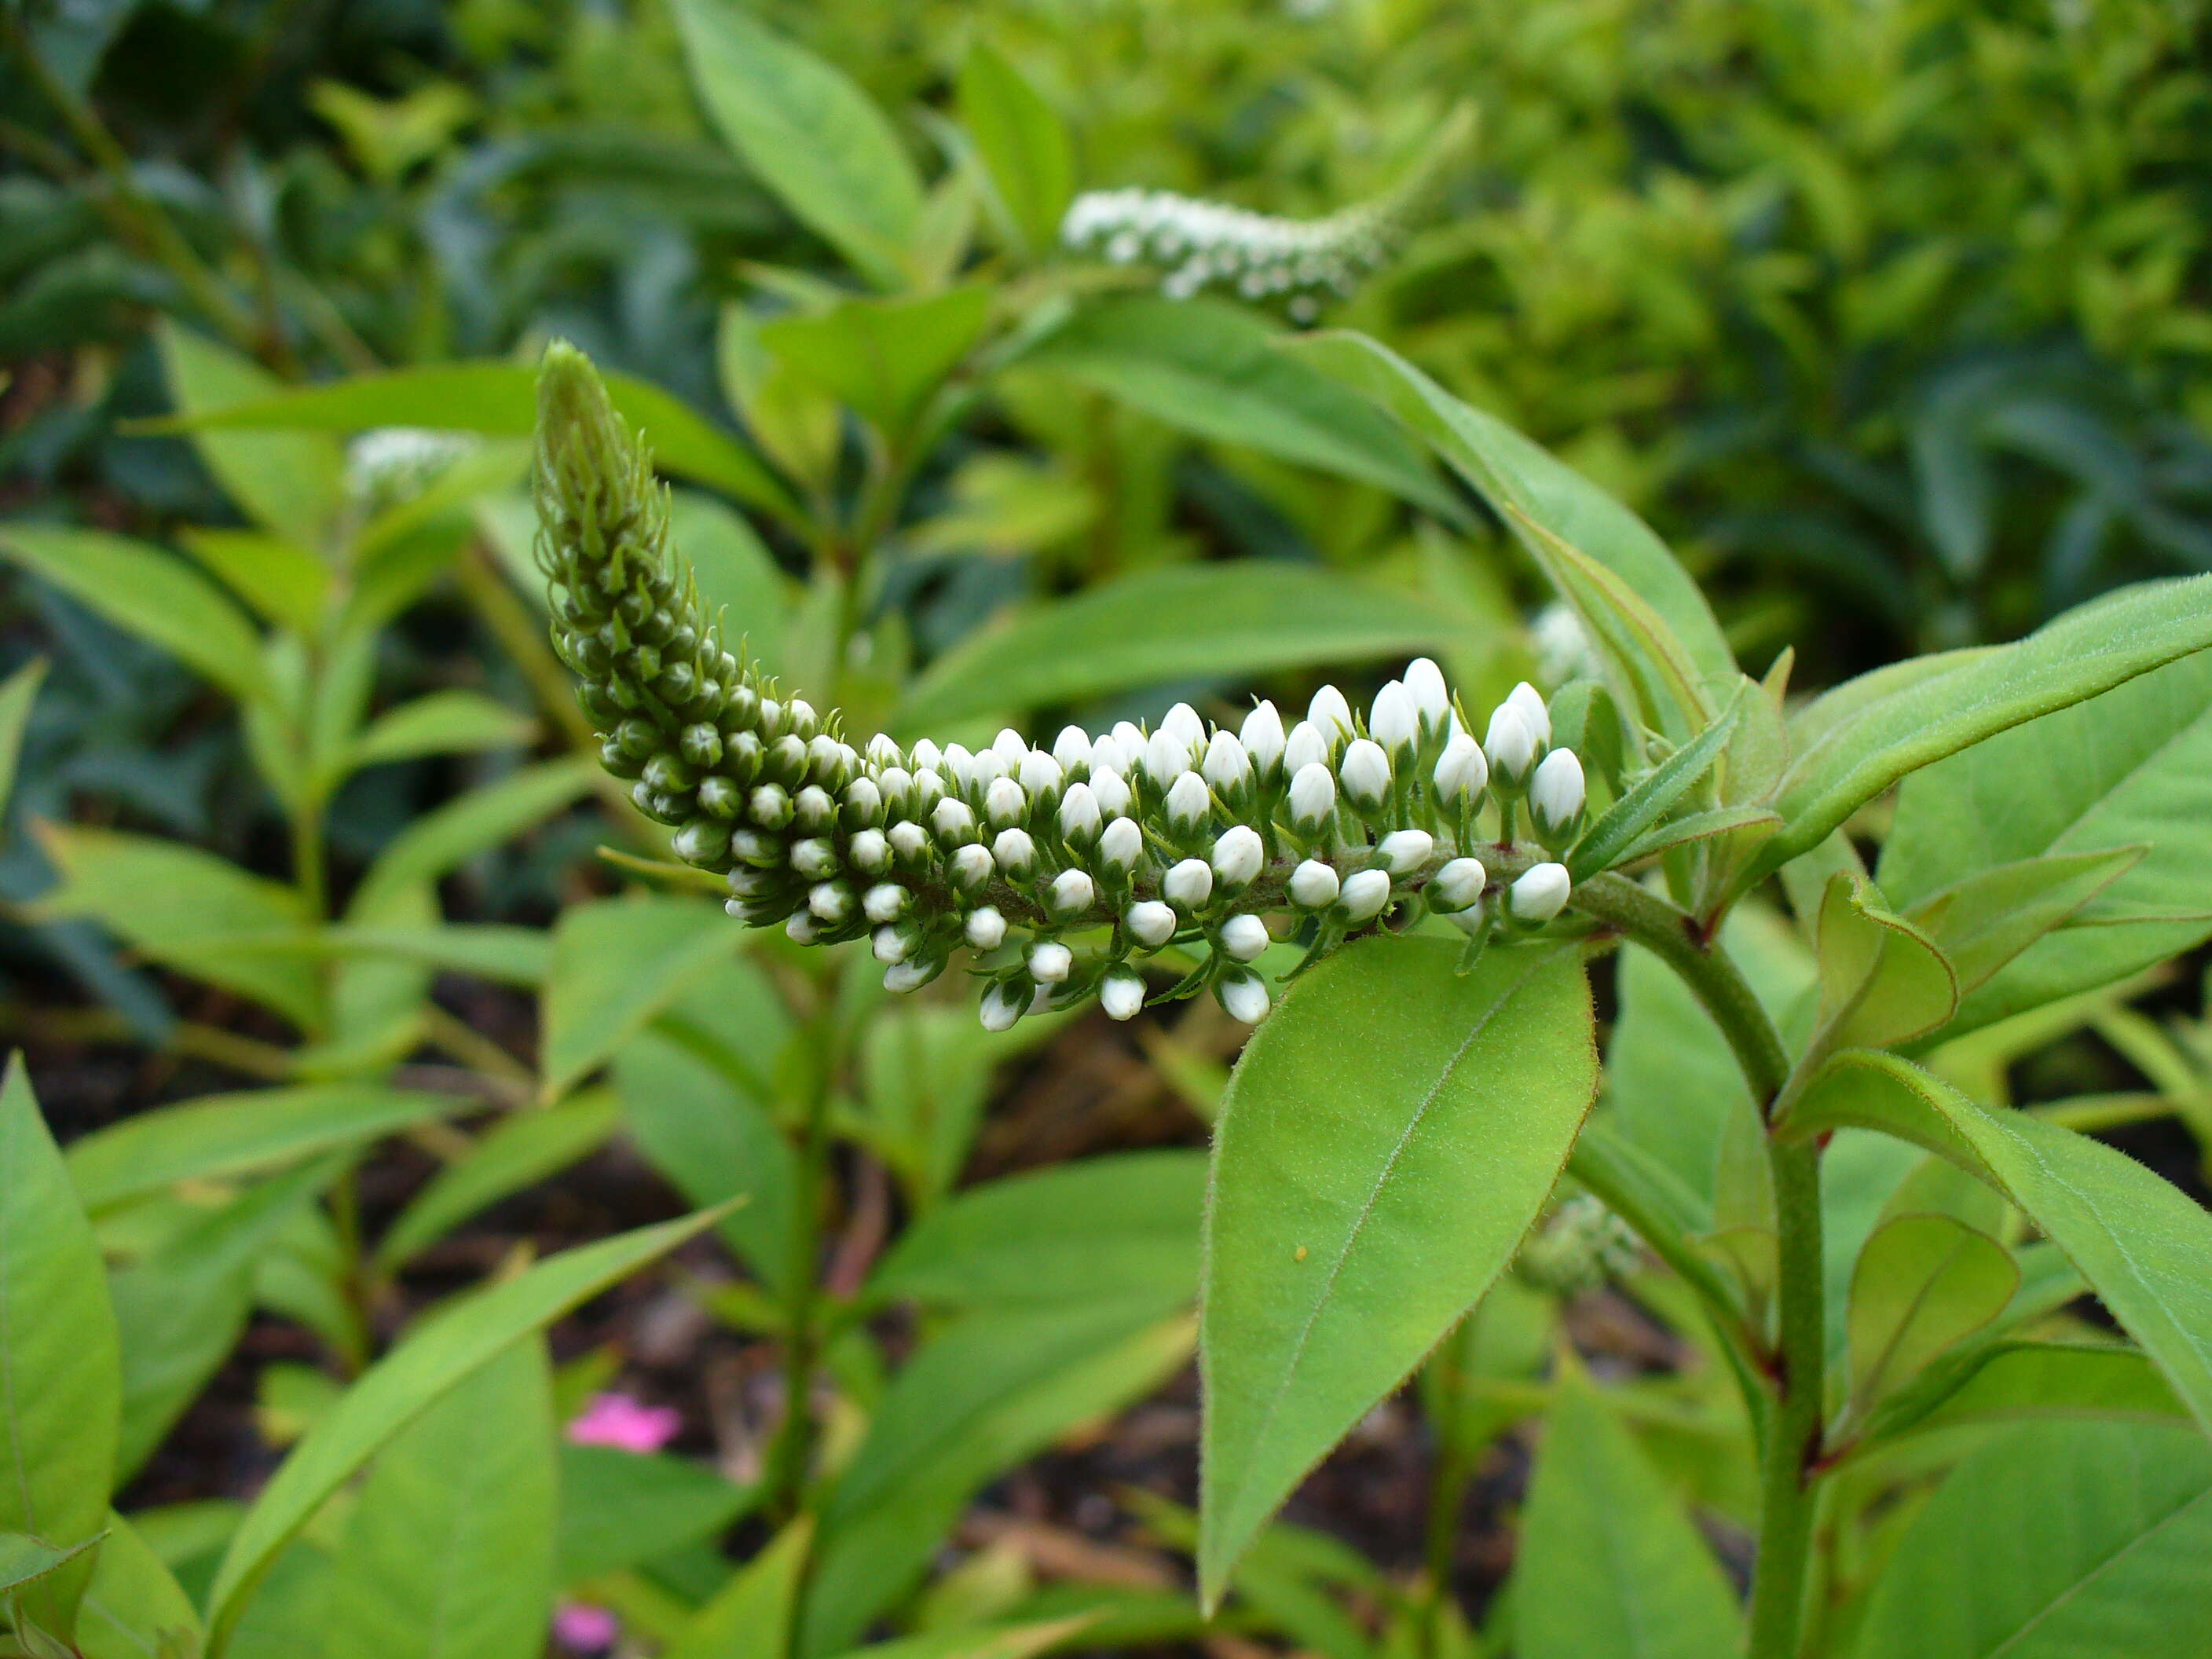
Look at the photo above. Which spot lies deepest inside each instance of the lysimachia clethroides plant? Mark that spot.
(1413, 894)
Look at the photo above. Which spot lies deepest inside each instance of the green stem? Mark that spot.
(1790, 1455)
(793, 1451)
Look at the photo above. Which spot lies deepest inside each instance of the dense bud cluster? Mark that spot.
(1580, 1246)
(1062, 868)
(393, 464)
(1200, 244)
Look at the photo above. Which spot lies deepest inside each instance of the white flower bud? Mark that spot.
(883, 752)
(1244, 937)
(1425, 684)
(984, 928)
(1072, 749)
(958, 765)
(1461, 772)
(864, 802)
(1314, 885)
(869, 851)
(886, 902)
(1262, 736)
(1402, 851)
(801, 928)
(1003, 1003)
(1040, 773)
(1313, 797)
(1394, 721)
(814, 857)
(1457, 885)
(1110, 789)
(1365, 771)
(925, 756)
(831, 901)
(1072, 892)
(1238, 855)
(1244, 995)
(1121, 842)
(1151, 923)
(1329, 714)
(1555, 795)
(1121, 993)
(891, 945)
(1011, 746)
(952, 819)
(1187, 803)
(798, 717)
(1004, 803)
(907, 840)
(971, 865)
(1305, 747)
(1510, 746)
(1129, 738)
(1541, 894)
(1079, 813)
(912, 973)
(985, 769)
(1227, 767)
(1365, 893)
(1051, 963)
(1184, 721)
(1167, 757)
(1014, 853)
(1530, 701)
(928, 788)
(1188, 885)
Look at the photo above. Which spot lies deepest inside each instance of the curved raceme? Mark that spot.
(1064, 866)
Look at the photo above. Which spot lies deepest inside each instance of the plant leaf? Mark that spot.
(60, 1367)
(882, 357)
(812, 136)
(134, 1606)
(2103, 1529)
(1214, 370)
(752, 1616)
(616, 965)
(1984, 921)
(1608, 1563)
(2140, 1241)
(1237, 618)
(17, 693)
(621, 1508)
(441, 723)
(287, 482)
(1924, 1284)
(1882, 979)
(519, 1153)
(1026, 151)
(438, 1354)
(1331, 1184)
(1601, 845)
(449, 1550)
(472, 823)
(2011, 1381)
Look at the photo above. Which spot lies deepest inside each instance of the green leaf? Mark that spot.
(2102, 1530)
(2005, 1382)
(1213, 370)
(1094, 1229)
(1642, 609)
(24, 1558)
(1026, 151)
(449, 1552)
(286, 585)
(1985, 920)
(476, 822)
(152, 593)
(17, 693)
(59, 1363)
(180, 1310)
(504, 955)
(621, 1509)
(752, 1616)
(616, 965)
(1882, 979)
(522, 1151)
(1643, 805)
(810, 134)
(2089, 650)
(443, 1351)
(926, 1072)
(1223, 619)
(441, 723)
(882, 357)
(1332, 1183)
(2131, 769)
(980, 1642)
(288, 482)
(986, 1393)
(134, 1608)
(218, 1136)
(2140, 1242)
(1608, 1563)
(1924, 1284)
(500, 400)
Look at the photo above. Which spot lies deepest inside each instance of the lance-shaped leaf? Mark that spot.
(2102, 1528)
(1358, 1210)
(752, 1616)
(2140, 1242)
(1643, 805)
(288, 482)
(1983, 920)
(1923, 1284)
(134, 1605)
(1027, 154)
(616, 965)
(519, 1153)
(882, 357)
(16, 694)
(1911, 721)
(2003, 1380)
(446, 1350)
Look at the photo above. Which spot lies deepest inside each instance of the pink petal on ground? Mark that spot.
(582, 1628)
(617, 1421)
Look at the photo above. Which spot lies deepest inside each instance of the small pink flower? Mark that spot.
(582, 1628)
(616, 1419)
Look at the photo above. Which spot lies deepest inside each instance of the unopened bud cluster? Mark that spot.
(1580, 1246)
(1062, 868)
(390, 465)
(1199, 244)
